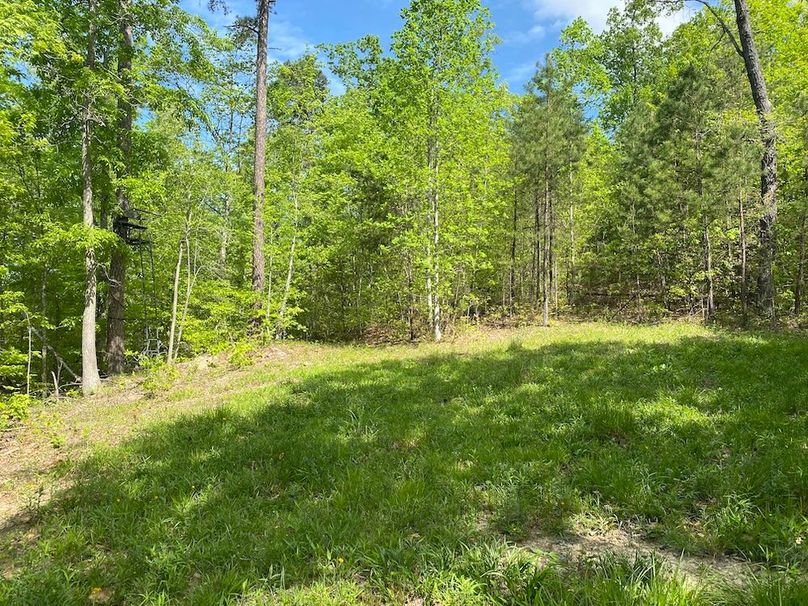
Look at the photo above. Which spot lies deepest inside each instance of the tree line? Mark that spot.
(166, 189)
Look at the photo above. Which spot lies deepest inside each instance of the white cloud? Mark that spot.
(536, 32)
(286, 40)
(668, 23)
(519, 74)
(595, 12)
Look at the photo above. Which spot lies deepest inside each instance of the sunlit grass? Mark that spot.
(384, 475)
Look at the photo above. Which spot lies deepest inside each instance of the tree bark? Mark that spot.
(545, 262)
(280, 329)
(708, 270)
(175, 296)
(800, 280)
(535, 268)
(512, 273)
(259, 159)
(433, 160)
(90, 378)
(551, 256)
(224, 237)
(43, 299)
(270, 280)
(411, 296)
(30, 356)
(768, 179)
(190, 278)
(743, 247)
(572, 269)
(117, 265)
(437, 317)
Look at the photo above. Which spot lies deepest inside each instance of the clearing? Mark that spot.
(582, 464)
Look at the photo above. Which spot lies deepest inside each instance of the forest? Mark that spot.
(153, 205)
(142, 217)
(171, 194)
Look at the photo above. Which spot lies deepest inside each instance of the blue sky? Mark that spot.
(527, 28)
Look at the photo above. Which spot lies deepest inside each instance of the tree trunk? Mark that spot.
(572, 269)
(535, 268)
(512, 273)
(90, 378)
(437, 317)
(190, 280)
(30, 356)
(552, 260)
(259, 159)
(411, 297)
(800, 267)
(663, 281)
(768, 179)
(280, 329)
(224, 238)
(174, 297)
(554, 280)
(117, 265)
(270, 275)
(708, 269)
(433, 158)
(43, 299)
(743, 247)
(429, 299)
(545, 262)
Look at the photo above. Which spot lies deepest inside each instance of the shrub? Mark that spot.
(159, 377)
(14, 408)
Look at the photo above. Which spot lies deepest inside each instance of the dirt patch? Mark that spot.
(625, 543)
(28, 456)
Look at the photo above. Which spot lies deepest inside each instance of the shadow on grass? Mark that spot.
(380, 471)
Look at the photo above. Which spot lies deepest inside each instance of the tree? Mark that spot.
(549, 133)
(90, 378)
(117, 263)
(768, 180)
(445, 88)
(259, 158)
(631, 56)
(745, 45)
(296, 97)
(622, 182)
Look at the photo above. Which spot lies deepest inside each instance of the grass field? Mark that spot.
(438, 474)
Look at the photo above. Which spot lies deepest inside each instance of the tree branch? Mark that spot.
(723, 25)
(55, 353)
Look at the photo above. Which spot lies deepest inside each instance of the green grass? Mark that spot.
(376, 476)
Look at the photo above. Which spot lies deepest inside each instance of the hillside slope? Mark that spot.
(659, 464)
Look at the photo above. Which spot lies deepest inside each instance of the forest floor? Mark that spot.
(581, 464)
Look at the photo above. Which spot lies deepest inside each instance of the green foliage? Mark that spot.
(220, 313)
(412, 199)
(160, 376)
(241, 354)
(673, 230)
(14, 408)
(14, 318)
